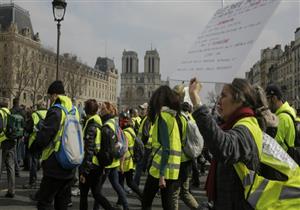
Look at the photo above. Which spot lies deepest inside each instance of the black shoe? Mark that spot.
(9, 195)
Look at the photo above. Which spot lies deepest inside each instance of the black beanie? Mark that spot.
(274, 90)
(56, 87)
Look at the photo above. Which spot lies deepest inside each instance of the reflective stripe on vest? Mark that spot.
(4, 112)
(173, 164)
(260, 192)
(97, 120)
(36, 120)
(128, 162)
(55, 144)
(183, 120)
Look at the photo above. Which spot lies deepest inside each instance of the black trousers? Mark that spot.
(94, 182)
(57, 190)
(169, 197)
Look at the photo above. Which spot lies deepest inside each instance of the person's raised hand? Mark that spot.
(194, 90)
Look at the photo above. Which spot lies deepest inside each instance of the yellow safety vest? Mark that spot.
(97, 120)
(3, 113)
(140, 133)
(149, 143)
(183, 120)
(128, 162)
(136, 121)
(111, 124)
(173, 165)
(36, 119)
(55, 144)
(262, 193)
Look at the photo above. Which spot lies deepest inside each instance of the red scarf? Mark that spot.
(210, 184)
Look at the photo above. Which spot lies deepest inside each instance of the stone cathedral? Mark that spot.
(137, 87)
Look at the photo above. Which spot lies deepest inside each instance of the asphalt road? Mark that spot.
(22, 202)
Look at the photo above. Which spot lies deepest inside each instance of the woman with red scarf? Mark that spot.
(229, 143)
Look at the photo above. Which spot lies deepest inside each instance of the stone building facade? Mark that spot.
(282, 67)
(137, 87)
(27, 68)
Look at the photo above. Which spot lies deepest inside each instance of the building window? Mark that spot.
(131, 65)
(152, 65)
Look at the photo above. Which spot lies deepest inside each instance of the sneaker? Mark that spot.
(70, 204)
(30, 186)
(9, 195)
(75, 192)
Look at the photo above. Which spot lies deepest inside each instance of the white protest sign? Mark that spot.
(222, 47)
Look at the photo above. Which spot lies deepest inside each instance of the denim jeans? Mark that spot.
(130, 182)
(141, 167)
(113, 177)
(33, 165)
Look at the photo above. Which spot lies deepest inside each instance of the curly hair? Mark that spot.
(109, 108)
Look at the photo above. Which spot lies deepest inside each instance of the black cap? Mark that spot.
(274, 90)
(56, 87)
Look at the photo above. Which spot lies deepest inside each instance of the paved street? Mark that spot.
(22, 202)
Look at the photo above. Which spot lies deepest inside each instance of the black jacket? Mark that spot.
(228, 147)
(89, 137)
(107, 134)
(45, 136)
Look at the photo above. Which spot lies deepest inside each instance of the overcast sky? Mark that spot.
(95, 28)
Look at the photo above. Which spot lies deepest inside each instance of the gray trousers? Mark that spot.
(8, 158)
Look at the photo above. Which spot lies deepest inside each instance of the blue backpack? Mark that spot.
(71, 151)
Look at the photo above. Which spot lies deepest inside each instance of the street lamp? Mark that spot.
(59, 10)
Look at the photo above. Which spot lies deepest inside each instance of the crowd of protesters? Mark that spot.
(241, 171)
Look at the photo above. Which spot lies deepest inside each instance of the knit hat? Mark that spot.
(56, 87)
(274, 90)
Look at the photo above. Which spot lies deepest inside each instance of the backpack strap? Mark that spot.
(178, 120)
(131, 134)
(291, 116)
(72, 111)
(39, 115)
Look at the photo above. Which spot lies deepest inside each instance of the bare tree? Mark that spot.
(39, 85)
(74, 81)
(23, 74)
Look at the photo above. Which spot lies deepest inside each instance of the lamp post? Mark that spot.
(59, 10)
